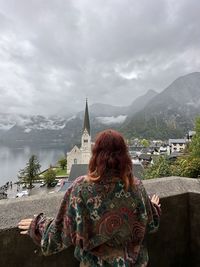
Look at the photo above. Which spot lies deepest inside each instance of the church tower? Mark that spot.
(81, 155)
(86, 138)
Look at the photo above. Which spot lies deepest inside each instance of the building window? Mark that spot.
(85, 141)
(75, 161)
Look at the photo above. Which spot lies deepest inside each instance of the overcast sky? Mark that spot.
(55, 53)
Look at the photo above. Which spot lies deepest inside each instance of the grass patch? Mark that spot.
(60, 172)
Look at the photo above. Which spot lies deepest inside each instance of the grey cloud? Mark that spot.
(56, 53)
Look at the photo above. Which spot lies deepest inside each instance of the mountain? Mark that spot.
(20, 130)
(104, 110)
(116, 115)
(140, 102)
(23, 130)
(169, 114)
(162, 115)
(101, 110)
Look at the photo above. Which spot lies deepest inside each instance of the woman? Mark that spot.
(105, 214)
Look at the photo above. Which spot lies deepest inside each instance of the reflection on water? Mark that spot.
(14, 159)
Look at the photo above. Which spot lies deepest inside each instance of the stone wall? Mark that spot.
(176, 244)
(194, 215)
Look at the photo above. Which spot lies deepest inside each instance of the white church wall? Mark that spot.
(73, 157)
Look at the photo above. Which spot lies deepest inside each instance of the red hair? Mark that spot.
(110, 156)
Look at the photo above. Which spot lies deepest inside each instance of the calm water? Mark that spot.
(14, 159)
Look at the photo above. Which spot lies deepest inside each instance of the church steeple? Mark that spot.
(86, 125)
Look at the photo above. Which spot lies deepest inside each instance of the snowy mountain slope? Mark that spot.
(167, 114)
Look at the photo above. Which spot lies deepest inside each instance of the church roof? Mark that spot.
(77, 170)
(138, 170)
(86, 125)
(82, 169)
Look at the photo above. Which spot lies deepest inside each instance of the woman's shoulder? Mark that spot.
(138, 185)
(137, 182)
(78, 182)
(75, 186)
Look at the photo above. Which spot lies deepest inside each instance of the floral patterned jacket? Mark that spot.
(105, 223)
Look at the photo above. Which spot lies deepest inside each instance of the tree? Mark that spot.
(63, 163)
(186, 167)
(31, 171)
(193, 168)
(195, 143)
(161, 168)
(50, 176)
(179, 166)
(144, 143)
(189, 165)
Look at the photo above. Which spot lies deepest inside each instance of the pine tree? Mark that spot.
(31, 171)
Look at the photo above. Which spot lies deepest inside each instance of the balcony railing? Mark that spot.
(176, 244)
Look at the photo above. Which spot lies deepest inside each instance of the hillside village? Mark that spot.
(143, 153)
(156, 126)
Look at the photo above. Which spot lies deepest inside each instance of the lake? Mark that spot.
(14, 159)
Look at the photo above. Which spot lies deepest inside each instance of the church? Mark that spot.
(81, 155)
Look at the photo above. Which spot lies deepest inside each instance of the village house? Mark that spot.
(177, 145)
(189, 135)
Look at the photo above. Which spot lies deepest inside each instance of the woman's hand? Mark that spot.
(25, 225)
(155, 200)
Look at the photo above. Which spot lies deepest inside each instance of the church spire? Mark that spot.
(86, 125)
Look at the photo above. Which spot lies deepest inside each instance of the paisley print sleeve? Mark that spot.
(57, 235)
(153, 218)
(53, 235)
(67, 228)
(37, 227)
(153, 211)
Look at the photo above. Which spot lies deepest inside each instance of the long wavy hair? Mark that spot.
(110, 156)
